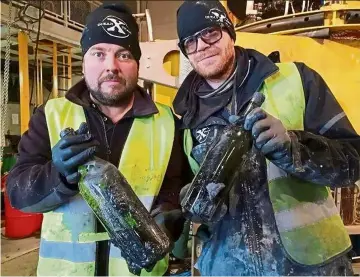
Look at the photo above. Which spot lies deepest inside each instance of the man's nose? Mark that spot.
(111, 63)
(201, 45)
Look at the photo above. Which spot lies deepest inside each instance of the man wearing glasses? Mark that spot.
(303, 144)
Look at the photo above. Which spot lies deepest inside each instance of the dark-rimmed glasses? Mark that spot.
(209, 35)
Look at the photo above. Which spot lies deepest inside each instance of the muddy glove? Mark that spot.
(72, 151)
(269, 134)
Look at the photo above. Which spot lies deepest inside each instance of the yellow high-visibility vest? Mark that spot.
(310, 227)
(68, 237)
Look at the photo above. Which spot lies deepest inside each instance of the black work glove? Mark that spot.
(72, 151)
(171, 222)
(269, 134)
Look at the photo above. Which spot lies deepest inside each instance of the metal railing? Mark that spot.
(71, 14)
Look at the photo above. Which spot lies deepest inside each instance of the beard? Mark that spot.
(120, 93)
(218, 70)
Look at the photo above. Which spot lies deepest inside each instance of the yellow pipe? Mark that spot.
(337, 63)
(55, 91)
(24, 81)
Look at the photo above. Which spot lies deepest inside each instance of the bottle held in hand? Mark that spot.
(220, 168)
(129, 225)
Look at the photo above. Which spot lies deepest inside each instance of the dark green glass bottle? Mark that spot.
(129, 225)
(220, 168)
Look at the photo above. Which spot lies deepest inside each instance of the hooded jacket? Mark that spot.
(328, 140)
(34, 184)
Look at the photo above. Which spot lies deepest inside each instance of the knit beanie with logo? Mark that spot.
(113, 23)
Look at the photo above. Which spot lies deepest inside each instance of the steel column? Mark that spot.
(24, 81)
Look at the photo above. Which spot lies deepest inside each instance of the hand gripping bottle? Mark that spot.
(129, 225)
(220, 168)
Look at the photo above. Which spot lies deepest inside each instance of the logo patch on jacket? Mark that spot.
(115, 27)
(202, 134)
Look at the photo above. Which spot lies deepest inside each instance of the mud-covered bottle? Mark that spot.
(220, 168)
(128, 223)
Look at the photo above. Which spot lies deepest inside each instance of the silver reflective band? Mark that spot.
(331, 123)
(306, 214)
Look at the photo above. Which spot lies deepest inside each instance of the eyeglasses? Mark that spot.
(209, 35)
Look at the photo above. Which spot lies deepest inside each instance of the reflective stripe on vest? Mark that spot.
(188, 146)
(68, 237)
(308, 221)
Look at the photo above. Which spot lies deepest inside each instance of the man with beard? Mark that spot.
(123, 126)
(303, 143)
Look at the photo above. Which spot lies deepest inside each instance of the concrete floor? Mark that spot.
(19, 257)
(21, 266)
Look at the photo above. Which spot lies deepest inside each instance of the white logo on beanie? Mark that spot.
(218, 16)
(115, 27)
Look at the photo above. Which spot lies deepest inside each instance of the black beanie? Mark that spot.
(112, 22)
(193, 16)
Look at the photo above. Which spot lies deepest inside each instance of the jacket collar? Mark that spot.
(260, 68)
(143, 104)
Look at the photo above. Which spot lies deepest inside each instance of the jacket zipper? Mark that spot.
(108, 150)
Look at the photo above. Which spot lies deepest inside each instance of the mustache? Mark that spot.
(112, 77)
(205, 54)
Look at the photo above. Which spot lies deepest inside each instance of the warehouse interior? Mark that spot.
(41, 59)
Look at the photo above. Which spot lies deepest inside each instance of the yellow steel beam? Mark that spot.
(164, 94)
(171, 63)
(337, 63)
(24, 81)
(55, 91)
